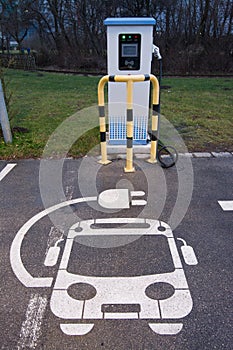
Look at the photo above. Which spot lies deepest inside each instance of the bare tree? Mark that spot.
(74, 29)
(16, 19)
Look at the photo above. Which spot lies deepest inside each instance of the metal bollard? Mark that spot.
(155, 120)
(129, 128)
(104, 160)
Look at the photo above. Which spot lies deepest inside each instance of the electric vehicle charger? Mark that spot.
(129, 53)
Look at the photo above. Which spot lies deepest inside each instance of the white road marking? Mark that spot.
(55, 235)
(6, 170)
(15, 253)
(76, 329)
(121, 290)
(111, 290)
(31, 327)
(188, 253)
(166, 328)
(52, 256)
(138, 202)
(226, 205)
(69, 192)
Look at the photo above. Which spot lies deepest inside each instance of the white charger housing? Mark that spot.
(129, 51)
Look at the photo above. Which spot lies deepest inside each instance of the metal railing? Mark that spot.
(129, 80)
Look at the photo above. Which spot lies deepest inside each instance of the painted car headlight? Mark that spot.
(81, 291)
(159, 291)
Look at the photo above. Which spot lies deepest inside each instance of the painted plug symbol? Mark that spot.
(120, 198)
(188, 253)
(52, 254)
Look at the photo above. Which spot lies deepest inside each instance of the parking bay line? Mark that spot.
(31, 328)
(226, 205)
(6, 170)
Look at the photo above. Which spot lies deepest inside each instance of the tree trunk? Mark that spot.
(204, 18)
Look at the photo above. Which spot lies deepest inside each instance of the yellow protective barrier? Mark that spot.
(129, 80)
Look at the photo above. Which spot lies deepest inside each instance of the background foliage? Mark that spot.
(194, 36)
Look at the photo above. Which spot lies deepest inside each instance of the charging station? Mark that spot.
(129, 52)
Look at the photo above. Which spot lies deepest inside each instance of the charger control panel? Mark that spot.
(129, 51)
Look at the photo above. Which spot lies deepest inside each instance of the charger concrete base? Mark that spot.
(121, 149)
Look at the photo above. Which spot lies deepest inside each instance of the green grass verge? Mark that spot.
(40, 103)
(200, 109)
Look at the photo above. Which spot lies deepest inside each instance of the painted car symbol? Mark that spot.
(146, 282)
(161, 298)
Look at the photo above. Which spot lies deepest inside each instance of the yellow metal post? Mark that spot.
(155, 120)
(129, 128)
(129, 80)
(102, 120)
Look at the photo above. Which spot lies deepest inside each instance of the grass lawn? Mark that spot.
(199, 108)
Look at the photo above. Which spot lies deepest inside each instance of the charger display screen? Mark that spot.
(129, 51)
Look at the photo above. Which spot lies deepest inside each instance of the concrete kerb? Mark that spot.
(143, 154)
(221, 154)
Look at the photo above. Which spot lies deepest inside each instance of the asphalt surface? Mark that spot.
(26, 319)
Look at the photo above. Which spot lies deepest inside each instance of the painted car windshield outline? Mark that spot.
(145, 256)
